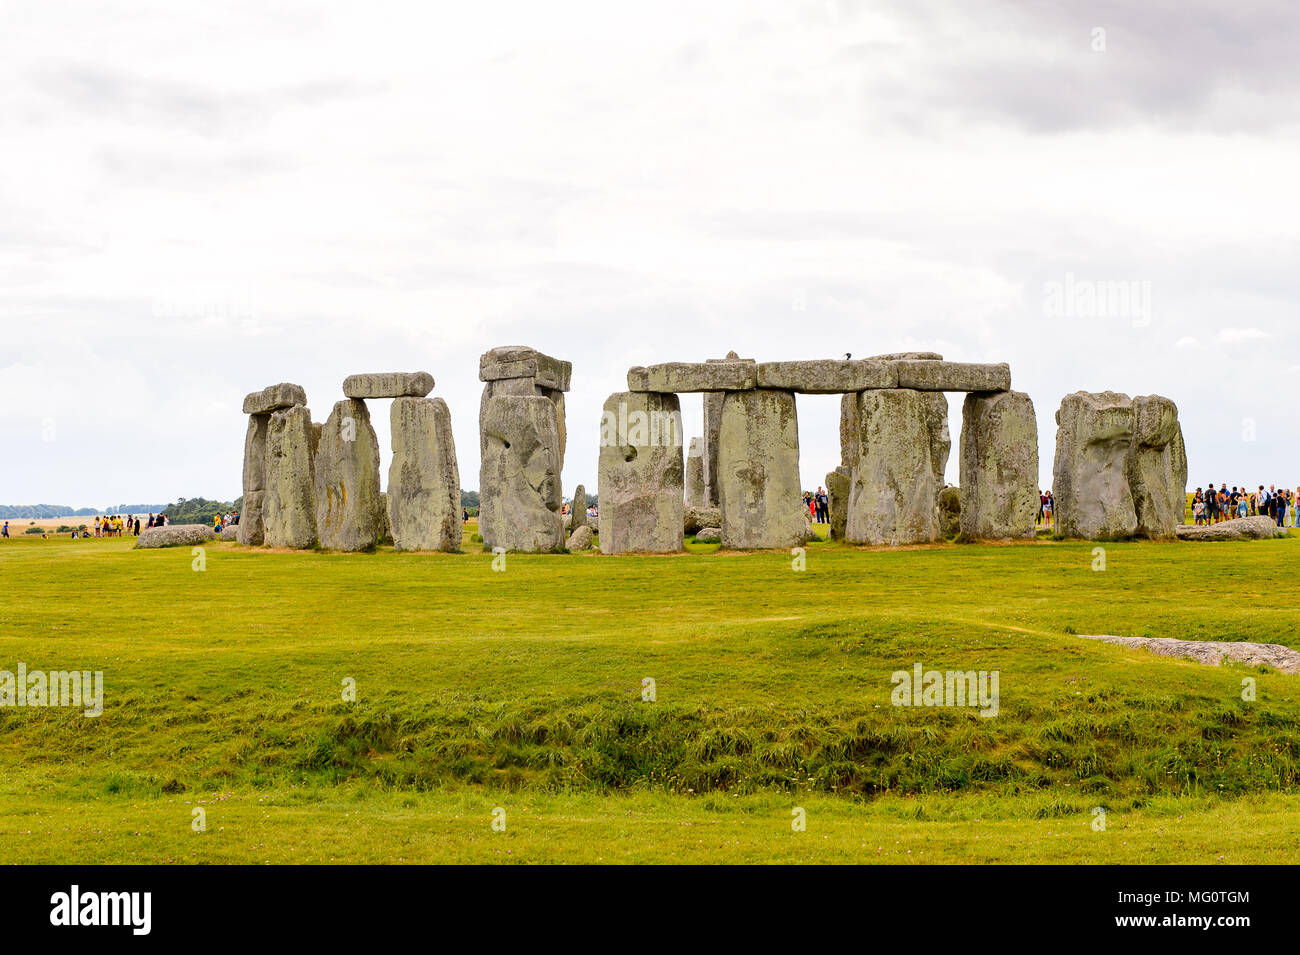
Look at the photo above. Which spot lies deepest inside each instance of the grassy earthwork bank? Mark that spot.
(517, 695)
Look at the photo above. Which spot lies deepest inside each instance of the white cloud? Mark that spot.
(294, 194)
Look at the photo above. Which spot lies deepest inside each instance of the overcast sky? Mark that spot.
(200, 200)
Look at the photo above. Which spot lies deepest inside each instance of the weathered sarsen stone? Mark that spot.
(1242, 528)
(424, 510)
(522, 361)
(519, 481)
(693, 518)
(696, 493)
(679, 376)
(274, 398)
(250, 528)
(758, 464)
(999, 466)
(346, 471)
(1090, 474)
(1157, 472)
(641, 474)
(388, 384)
(837, 493)
(289, 509)
(579, 506)
(175, 535)
(581, 538)
(826, 376)
(928, 375)
(902, 446)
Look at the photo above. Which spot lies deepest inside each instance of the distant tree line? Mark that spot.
(11, 512)
(195, 510)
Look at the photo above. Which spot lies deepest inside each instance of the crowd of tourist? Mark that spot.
(221, 521)
(819, 506)
(1214, 505)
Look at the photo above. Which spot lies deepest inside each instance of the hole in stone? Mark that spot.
(506, 443)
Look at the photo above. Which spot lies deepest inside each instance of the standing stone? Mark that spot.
(1090, 481)
(522, 371)
(837, 491)
(250, 531)
(579, 507)
(289, 508)
(849, 429)
(424, 480)
(999, 466)
(902, 447)
(346, 467)
(519, 481)
(758, 463)
(696, 496)
(712, 424)
(641, 473)
(1157, 468)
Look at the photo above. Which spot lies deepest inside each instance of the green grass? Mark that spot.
(522, 689)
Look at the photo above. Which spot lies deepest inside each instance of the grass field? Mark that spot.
(521, 691)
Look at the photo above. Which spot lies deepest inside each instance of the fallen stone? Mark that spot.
(389, 384)
(346, 470)
(999, 466)
(250, 525)
(289, 509)
(175, 535)
(424, 511)
(1212, 652)
(826, 377)
(521, 361)
(1157, 473)
(949, 512)
(1241, 528)
(902, 452)
(696, 493)
(708, 535)
(274, 398)
(641, 483)
(693, 518)
(230, 532)
(581, 538)
(930, 375)
(1090, 483)
(519, 479)
(758, 462)
(682, 377)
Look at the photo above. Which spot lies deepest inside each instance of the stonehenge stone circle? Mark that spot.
(758, 462)
(175, 535)
(289, 508)
(641, 473)
(519, 479)
(902, 450)
(1120, 468)
(346, 466)
(999, 466)
(424, 479)
(392, 384)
